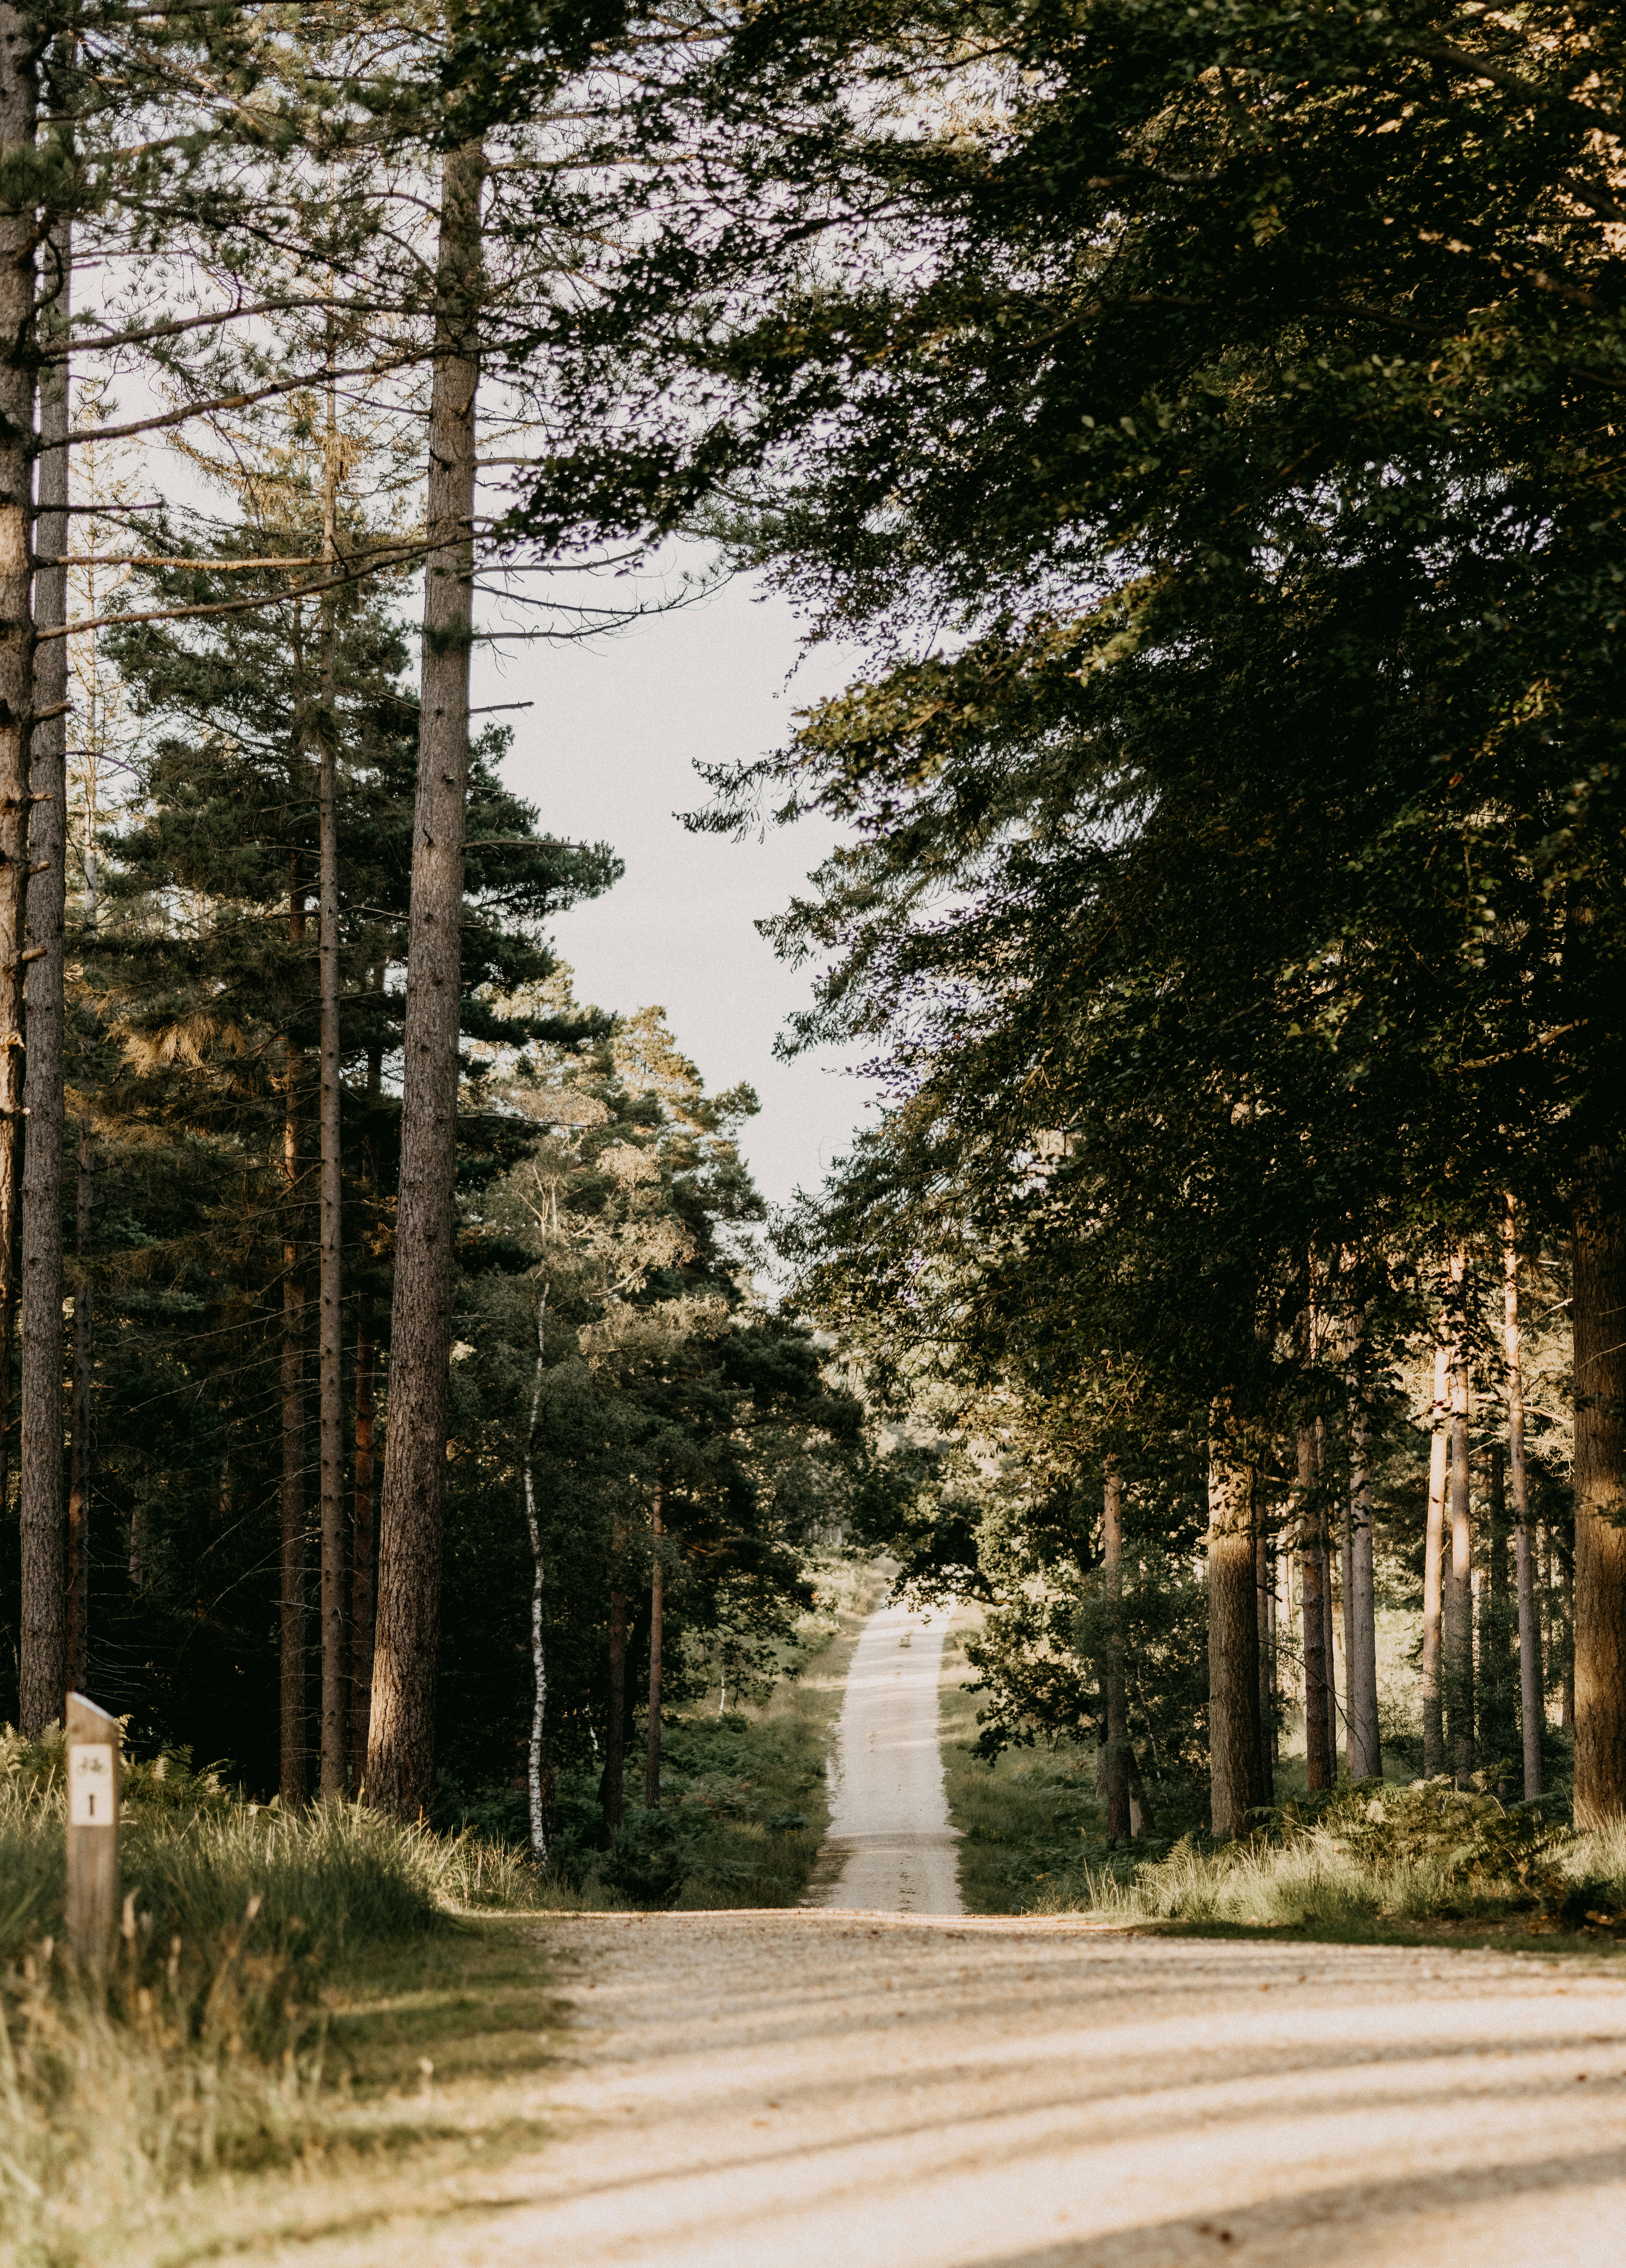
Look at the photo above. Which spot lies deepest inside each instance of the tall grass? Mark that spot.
(1375, 1854)
(202, 2045)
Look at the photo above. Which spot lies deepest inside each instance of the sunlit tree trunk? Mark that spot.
(1361, 1666)
(1458, 1596)
(1433, 1562)
(1232, 1634)
(1532, 1707)
(1264, 1593)
(1117, 1743)
(1319, 1755)
(402, 1746)
(1598, 1625)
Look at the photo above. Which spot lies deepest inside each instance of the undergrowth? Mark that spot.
(1371, 1853)
(204, 2045)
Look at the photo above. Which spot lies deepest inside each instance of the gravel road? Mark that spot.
(889, 1814)
(828, 2089)
(831, 2087)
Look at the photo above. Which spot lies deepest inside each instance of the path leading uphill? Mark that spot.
(889, 1826)
(832, 2088)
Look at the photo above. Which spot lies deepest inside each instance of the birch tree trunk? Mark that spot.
(41, 1664)
(538, 1662)
(1361, 1663)
(1233, 1634)
(330, 1288)
(652, 1749)
(402, 1742)
(1117, 1745)
(1319, 1755)
(60, 1628)
(1433, 1561)
(1599, 1625)
(1532, 1708)
(1459, 1597)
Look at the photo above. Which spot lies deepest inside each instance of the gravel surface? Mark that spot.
(889, 1814)
(816, 2089)
(832, 2088)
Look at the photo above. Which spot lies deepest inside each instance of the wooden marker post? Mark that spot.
(92, 1829)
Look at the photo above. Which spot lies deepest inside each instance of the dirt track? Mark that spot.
(829, 2090)
(832, 2088)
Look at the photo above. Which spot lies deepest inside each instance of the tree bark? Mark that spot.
(1117, 1745)
(1497, 1714)
(1264, 1780)
(402, 1748)
(652, 1750)
(330, 1287)
(1433, 1562)
(1459, 1597)
(1361, 1664)
(1532, 1708)
(1233, 1635)
(40, 1663)
(1320, 1768)
(293, 1612)
(59, 1624)
(1598, 1625)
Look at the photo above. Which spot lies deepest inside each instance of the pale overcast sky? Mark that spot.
(608, 752)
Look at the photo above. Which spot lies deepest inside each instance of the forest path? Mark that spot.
(889, 1829)
(811, 2090)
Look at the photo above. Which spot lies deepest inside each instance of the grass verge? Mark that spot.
(219, 2045)
(744, 1797)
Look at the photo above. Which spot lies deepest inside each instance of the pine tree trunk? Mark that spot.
(1532, 1709)
(1117, 1743)
(1319, 1755)
(292, 1614)
(1459, 1611)
(401, 1755)
(1264, 1786)
(652, 1754)
(40, 1663)
(1233, 1635)
(330, 1287)
(1433, 1563)
(80, 1445)
(614, 1780)
(1361, 1663)
(1498, 1714)
(56, 1623)
(1599, 1623)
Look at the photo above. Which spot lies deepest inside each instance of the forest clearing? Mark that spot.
(520, 1615)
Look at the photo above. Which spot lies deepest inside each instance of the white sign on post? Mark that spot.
(92, 1794)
